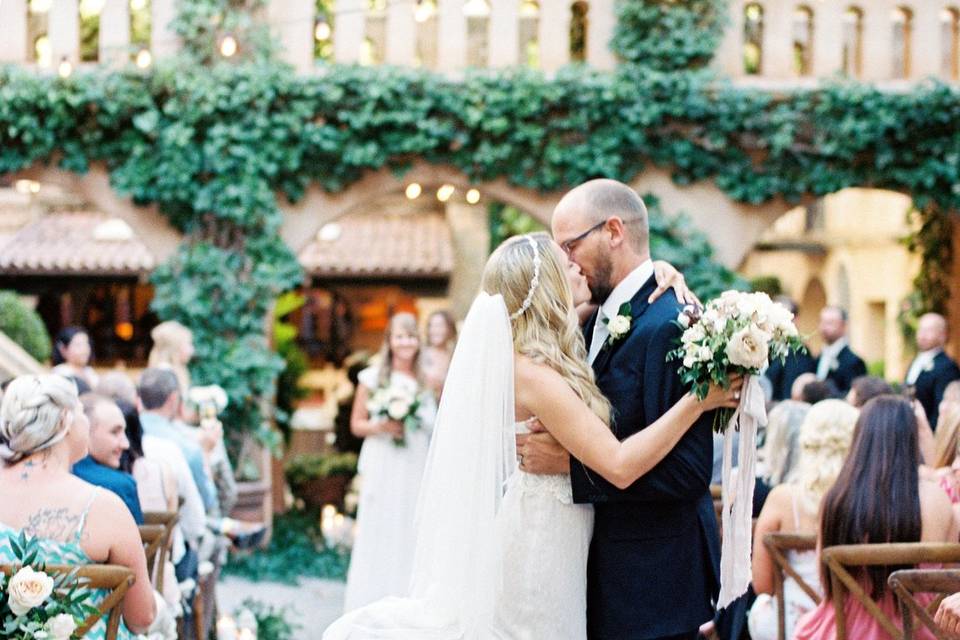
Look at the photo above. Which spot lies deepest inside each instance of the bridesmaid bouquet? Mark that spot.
(737, 333)
(396, 403)
(34, 604)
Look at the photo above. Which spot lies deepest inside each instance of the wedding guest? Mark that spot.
(796, 391)
(391, 465)
(107, 443)
(945, 439)
(866, 388)
(71, 356)
(435, 356)
(117, 385)
(948, 615)
(792, 507)
(43, 431)
(885, 454)
(172, 349)
(782, 375)
(932, 370)
(781, 449)
(818, 391)
(837, 362)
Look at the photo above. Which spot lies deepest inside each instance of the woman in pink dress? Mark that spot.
(885, 455)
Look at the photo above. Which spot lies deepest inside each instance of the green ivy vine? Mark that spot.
(214, 145)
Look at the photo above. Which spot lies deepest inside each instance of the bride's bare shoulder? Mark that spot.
(529, 372)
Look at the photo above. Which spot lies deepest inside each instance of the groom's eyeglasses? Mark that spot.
(570, 245)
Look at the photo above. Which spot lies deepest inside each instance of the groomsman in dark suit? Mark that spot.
(932, 370)
(837, 362)
(782, 376)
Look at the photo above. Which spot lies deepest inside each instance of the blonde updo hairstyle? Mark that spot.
(168, 340)
(826, 434)
(36, 413)
(547, 331)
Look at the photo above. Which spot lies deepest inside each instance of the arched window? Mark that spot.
(752, 38)
(39, 49)
(323, 30)
(950, 43)
(803, 41)
(425, 14)
(578, 31)
(90, 30)
(529, 25)
(853, 42)
(375, 42)
(902, 19)
(477, 13)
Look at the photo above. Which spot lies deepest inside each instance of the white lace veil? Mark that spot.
(472, 454)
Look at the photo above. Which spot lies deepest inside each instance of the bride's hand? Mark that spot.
(668, 277)
(720, 398)
(391, 428)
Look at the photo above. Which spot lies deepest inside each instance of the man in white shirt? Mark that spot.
(837, 362)
(932, 370)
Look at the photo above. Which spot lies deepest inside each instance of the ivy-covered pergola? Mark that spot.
(213, 144)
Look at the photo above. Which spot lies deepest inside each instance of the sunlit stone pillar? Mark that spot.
(601, 21)
(554, 35)
(401, 33)
(163, 40)
(13, 31)
(295, 23)
(114, 32)
(348, 23)
(64, 30)
(452, 37)
(504, 48)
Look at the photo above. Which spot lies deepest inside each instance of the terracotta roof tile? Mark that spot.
(378, 245)
(75, 243)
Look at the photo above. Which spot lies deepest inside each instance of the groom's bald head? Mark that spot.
(598, 200)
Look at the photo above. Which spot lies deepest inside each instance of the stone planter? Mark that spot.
(320, 491)
(255, 498)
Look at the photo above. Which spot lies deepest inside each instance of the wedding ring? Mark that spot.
(736, 395)
(521, 459)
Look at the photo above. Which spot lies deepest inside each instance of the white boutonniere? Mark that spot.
(618, 325)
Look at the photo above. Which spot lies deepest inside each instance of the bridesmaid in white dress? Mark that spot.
(390, 473)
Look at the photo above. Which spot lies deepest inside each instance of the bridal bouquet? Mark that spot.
(398, 403)
(34, 604)
(737, 333)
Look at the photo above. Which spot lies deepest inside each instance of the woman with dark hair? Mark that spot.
(71, 355)
(878, 497)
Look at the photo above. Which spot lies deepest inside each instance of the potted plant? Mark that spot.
(321, 478)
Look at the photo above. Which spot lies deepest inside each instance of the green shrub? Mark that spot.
(24, 326)
(309, 466)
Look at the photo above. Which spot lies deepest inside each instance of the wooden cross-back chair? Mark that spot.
(168, 520)
(152, 536)
(115, 579)
(778, 544)
(908, 582)
(838, 559)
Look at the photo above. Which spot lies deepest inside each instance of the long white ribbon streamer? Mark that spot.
(736, 518)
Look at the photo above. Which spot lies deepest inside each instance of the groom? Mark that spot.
(655, 555)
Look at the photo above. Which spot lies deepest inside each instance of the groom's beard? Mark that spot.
(600, 285)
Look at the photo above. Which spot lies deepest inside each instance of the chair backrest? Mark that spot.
(112, 578)
(838, 559)
(908, 582)
(168, 520)
(778, 544)
(152, 536)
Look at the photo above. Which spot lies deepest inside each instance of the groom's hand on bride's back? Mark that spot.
(539, 453)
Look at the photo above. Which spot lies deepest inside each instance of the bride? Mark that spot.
(501, 553)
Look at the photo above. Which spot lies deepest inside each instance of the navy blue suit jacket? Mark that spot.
(115, 480)
(655, 555)
(930, 385)
(849, 367)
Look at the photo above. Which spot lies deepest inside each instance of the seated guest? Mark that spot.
(796, 391)
(879, 496)
(945, 439)
(43, 431)
(117, 385)
(866, 388)
(948, 615)
(780, 450)
(159, 393)
(837, 362)
(108, 441)
(932, 370)
(792, 507)
(818, 391)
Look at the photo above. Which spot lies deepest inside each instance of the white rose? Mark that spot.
(397, 409)
(689, 360)
(28, 589)
(693, 334)
(749, 348)
(704, 354)
(684, 320)
(619, 325)
(61, 627)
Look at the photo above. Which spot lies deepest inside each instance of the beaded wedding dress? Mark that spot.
(499, 554)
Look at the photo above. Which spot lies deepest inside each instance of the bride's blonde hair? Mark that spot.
(547, 331)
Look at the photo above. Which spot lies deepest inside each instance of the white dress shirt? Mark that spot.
(923, 362)
(623, 292)
(193, 518)
(828, 357)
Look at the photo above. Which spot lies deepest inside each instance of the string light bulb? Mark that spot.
(65, 68)
(138, 5)
(322, 31)
(444, 192)
(473, 196)
(228, 46)
(413, 191)
(144, 58)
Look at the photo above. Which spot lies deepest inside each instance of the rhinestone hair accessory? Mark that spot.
(534, 283)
